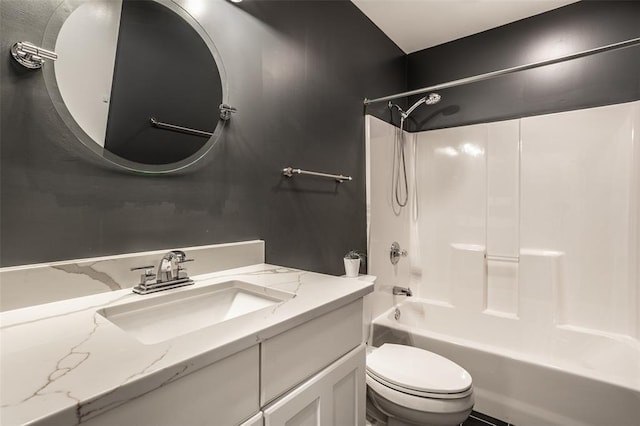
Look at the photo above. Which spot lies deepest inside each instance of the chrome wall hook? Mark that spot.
(31, 56)
(226, 110)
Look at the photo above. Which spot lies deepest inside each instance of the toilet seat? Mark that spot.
(382, 394)
(419, 394)
(418, 372)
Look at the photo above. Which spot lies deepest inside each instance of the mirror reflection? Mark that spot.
(125, 63)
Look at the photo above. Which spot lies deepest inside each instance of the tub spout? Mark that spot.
(402, 291)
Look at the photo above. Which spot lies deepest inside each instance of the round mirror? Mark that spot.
(139, 82)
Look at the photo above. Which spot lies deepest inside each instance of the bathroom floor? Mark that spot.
(479, 419)
(476, 419)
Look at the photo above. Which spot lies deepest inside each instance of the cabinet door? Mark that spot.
(333, 397)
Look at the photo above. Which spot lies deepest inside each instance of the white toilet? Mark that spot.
(408, 386)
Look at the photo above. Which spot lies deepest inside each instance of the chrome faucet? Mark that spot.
(169, 268)
(402, 291)
(170, 274)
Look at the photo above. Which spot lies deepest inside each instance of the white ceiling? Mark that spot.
(418, 24)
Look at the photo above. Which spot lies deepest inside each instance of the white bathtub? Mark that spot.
(566, 377)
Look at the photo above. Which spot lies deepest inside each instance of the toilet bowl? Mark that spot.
(408, 386)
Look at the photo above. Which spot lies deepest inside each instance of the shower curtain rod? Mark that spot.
(493, 74)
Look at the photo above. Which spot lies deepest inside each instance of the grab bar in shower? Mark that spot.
(167, 126)
(289, 172)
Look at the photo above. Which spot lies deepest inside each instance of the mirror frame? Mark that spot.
(66, 8)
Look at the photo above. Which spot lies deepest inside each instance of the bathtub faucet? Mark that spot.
(402, 291)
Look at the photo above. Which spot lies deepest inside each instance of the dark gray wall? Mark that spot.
(602, 79)
(298, 72)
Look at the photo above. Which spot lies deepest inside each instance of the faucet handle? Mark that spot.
(396, 252)
(148, 273)
(182, 271)
(139, 268)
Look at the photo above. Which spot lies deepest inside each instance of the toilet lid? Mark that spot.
(418, 370)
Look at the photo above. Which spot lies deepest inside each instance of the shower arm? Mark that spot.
(414, 106)
(480, 77)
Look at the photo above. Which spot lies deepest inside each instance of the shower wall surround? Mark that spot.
(298, 89)
(524, 239)
(533, 221)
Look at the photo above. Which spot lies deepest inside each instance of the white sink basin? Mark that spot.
(165, 316)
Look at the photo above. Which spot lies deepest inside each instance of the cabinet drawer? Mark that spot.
(295, 355)
(223, 393)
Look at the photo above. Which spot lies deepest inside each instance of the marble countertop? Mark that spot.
(63, 363)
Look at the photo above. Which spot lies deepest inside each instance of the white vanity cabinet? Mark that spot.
(314, 374)
(257, 345)
(223, 393)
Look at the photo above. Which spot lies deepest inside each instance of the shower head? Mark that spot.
(433, 98)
